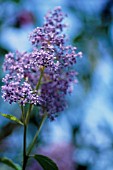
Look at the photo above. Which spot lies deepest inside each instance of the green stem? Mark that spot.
(25, 121)
(36, 135)
(39, 82)
(24, 139)
(28, 114)
(37, 87)
(22, 109)
(24, 148)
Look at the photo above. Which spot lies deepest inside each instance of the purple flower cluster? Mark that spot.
(44, 76)
(17, 88)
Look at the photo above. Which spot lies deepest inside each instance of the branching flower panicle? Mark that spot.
(25, 82)
(41, 77)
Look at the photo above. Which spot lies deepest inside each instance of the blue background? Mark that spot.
(87, 123)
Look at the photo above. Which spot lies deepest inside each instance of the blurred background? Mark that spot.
(81, 138)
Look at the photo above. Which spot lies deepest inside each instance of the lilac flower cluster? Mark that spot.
(17, 88)
(43, 76)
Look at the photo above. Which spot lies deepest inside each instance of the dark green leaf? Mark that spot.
(17, 1)
(11, 117)
(3, 50)
(10, 163)
(46, 162)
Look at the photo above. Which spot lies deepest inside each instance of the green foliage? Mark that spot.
(46, 162)
(3, 50)
(16, 1)
(10, 163)
(11, 117)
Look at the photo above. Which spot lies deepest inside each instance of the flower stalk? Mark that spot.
(36, 135)
(26, 121)
(24, 139)
(24, 148)
(50, 64)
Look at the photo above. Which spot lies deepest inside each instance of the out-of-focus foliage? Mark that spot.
(88, 122)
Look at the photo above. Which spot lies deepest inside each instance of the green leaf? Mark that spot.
(11, 117)
(10, 163)
(17, 1)
(46, 162)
